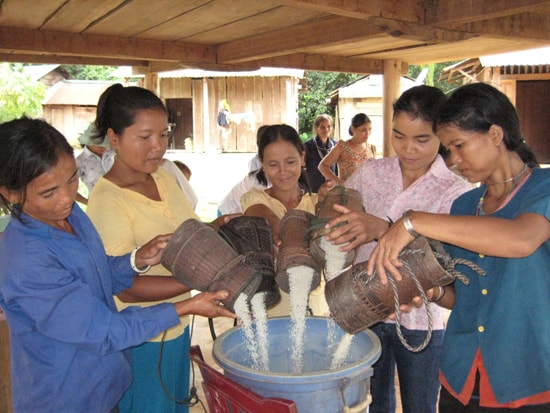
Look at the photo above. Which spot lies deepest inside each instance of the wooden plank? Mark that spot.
(407, 10)
(443, 13)
(30, 41)
(198, 116)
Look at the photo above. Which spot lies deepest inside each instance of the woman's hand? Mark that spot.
(354, 228)
(385, 254)
(207, 304)
(224, 219)
(325, 188)
(151, 253)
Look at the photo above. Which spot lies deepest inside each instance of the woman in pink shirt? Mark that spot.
(416, 178)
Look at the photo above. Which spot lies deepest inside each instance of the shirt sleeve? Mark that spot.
(58, 304)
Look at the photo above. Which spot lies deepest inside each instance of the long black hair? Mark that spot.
(30, 148)
(477, 106)
(287, 133)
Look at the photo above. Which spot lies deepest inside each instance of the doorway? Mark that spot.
(180, 116)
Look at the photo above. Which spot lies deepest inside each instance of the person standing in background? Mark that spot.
(348, 155)
(94, 161)
(317, 148)
(223, 120)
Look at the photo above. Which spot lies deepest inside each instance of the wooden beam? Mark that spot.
(68, 60)
(160, 67)
(443, 13)
(326, 33)
(70, 44)
(326, 63)
(523, 26)
(404, 10)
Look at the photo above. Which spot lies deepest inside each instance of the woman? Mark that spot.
(56, 283)
(416, 178)
(348, 155)
(132, 201)
(497, 344)
(317, 148)
(282, 154)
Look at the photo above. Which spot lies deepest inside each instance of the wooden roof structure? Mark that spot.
(354, 36)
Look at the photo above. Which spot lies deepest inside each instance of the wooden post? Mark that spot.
(206, 117)
(391, 91)
(152, 83)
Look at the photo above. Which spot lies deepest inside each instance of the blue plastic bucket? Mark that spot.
(317, 389)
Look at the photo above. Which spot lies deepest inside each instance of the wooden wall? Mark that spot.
(70, 120)
(253, 101)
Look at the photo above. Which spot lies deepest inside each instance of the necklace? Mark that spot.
(515, 181)
(323, 151)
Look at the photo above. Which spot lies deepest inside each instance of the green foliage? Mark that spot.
(80, 72)
(19, 95)
(313, 101)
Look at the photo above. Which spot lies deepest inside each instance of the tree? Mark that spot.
(81, 72)
(19, 95)
(313, 101)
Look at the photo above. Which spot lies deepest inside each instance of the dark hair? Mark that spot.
(287, 133)
(421, 102)
(30, 147)
(118, 105)
(259, 133)
(183, 167)
(358, 120)
(476, 107)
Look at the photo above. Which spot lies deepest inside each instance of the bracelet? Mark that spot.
(439, 296)
(133, 262)
(408, 224)
(389, 221)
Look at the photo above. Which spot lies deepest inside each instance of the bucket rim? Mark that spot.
(349, 370)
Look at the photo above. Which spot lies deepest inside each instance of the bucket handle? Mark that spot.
(359, 407)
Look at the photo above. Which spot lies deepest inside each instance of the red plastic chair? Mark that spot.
(224, 395)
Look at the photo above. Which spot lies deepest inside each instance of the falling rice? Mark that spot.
(334, 258)
(243, 312)
(300, 278)
(341, 354)
(260, 317)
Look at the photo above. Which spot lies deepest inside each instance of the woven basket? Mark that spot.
(347, 197)
(357, 301)
(294, 249)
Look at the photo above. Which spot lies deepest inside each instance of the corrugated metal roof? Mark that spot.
(76, 92)
(540, 56)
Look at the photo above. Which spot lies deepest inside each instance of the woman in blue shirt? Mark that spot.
(57, 283)
(496, 351)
